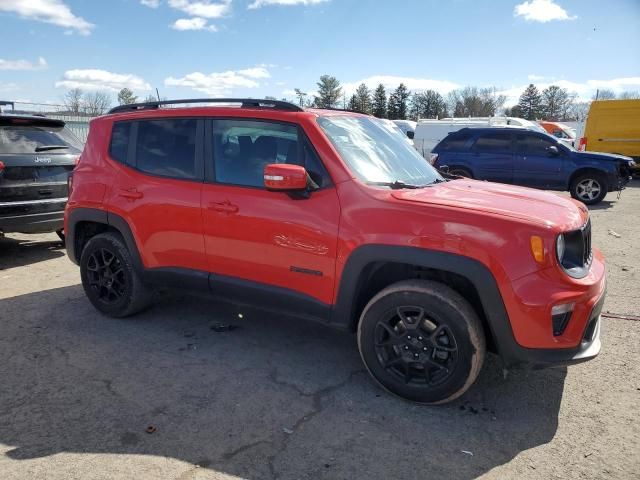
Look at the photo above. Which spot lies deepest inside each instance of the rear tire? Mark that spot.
(589, 188)
(422, 341)
(109, 278)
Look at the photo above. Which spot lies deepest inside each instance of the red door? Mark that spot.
(159, 194)
(272, 238)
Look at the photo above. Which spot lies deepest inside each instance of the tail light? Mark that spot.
(582, 144)
(432, 158)
(1, 166)
(70, 184)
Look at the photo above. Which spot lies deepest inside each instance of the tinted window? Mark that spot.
(26, 139)
(120, 141)
(167, 147)
(533, 145)
(493, 142)
(455, 142)
(242, 148)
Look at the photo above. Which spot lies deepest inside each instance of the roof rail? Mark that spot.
(244, 102)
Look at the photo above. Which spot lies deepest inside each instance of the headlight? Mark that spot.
(560, 247)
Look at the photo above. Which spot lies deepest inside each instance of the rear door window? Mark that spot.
(493, 143)
(167, 147)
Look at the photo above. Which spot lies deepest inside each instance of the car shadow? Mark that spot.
(17, 252)
(243, 392)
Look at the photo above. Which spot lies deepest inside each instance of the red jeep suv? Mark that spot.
(332, 216)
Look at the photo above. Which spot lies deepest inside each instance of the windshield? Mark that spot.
(375, 152)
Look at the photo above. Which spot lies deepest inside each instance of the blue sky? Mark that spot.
(201, 48)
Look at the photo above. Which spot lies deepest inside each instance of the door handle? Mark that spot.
(130, 193)
(224, 207)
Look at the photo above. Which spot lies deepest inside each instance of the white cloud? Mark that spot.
(541, 11)
(196, 23)
(264, 3)
(150, 3)
(202, 8)
(256, 72)
(412, 83)
(94, 79)
(584, 90)
(23, 64)
(55, 12)
(222, 83)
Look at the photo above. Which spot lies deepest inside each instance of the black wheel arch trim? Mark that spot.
(478, 274)
(78, 215)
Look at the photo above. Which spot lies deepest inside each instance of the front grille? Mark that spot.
(578, 254)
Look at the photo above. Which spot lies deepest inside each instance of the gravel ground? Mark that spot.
(281, 398)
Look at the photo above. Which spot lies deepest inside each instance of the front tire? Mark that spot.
(589, 188)
(422, 341)
(109, 278)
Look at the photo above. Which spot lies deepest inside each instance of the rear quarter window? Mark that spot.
(119, 146)
(455, 142)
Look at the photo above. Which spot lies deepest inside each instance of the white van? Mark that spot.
(429, 132)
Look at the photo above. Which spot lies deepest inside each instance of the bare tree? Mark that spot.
(96, 103)
(629, 95)
(555, 102)
(475, 102)
(605, 94)
(73, 100)
(578, 111)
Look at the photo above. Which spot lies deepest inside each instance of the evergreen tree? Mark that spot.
(402, 95)
(379, 106)
(329, 92)
(392, 107)
(126, 97)
(353, 103)
(363, 99)
(530, 103)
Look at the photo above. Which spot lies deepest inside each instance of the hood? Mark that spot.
(526, 204)
(612, 157)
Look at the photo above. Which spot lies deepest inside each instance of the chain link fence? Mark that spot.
(76, 122)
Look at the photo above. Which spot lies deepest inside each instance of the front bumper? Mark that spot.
(587, 349)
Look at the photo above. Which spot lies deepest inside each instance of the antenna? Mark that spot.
(158, 94)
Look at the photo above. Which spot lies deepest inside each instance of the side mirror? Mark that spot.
(284, 177)
(553, 151)
(410, 134)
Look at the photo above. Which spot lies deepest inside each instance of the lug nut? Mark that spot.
(415, 355)
(424, 349)
(408, 337)
(406, 348)
(420, 338)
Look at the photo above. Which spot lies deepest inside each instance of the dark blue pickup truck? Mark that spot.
(531, 159)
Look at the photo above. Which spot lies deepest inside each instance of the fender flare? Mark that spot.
(478, 274)
(116, 222)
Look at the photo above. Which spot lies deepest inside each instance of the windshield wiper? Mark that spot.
(395, 185)
(44, 148)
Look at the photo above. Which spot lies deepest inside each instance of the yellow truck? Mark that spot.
(613, 126)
